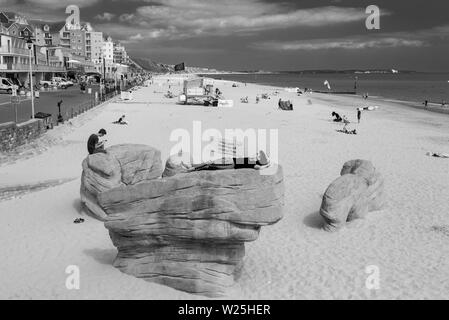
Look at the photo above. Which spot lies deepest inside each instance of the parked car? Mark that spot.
(6, 85)
(63, 81)
(48, 83)
(56, 82)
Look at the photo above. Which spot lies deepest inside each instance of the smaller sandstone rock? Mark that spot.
(359, 190)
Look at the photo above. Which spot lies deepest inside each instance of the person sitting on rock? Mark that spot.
(94, 144)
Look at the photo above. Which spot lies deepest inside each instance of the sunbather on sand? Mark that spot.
(346, 131)
(170, 95)
(121, 121)
(244, 100)
(438, 155)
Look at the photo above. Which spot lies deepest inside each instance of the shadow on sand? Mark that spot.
(314, 220)
(103, 256)
(78, 206)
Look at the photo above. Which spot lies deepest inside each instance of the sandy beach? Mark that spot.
(295, 259)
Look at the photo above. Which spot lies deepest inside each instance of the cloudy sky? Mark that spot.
(269, 35)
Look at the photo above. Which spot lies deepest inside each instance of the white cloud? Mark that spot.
(194, 18)
(137, 37)
(106, 16)
(51, 10)
(61, 3)
(324, 44)
(127, 17)
(418, 38)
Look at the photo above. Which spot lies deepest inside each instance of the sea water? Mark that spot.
(412, 87)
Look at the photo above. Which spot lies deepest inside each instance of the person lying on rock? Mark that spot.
(94, 144)
(261, 162)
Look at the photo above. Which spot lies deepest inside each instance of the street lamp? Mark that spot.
(102, 81)
(103, 63)
(114, 69)
(30, 47)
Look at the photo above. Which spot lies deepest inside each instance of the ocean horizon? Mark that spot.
(413, 87)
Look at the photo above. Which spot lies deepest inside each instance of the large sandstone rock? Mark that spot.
(359, 190)
(122, 165)
(186, 231)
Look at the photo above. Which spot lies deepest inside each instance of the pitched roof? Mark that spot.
(10, 15)
(8, 25)
(54, 26)
(12, 24)
(22, 27)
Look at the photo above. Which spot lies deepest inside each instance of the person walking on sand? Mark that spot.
(359, 114)
(94, 145)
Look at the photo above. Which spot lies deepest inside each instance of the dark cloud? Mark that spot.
(261, 34)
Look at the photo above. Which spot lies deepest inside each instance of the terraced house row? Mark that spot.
(57, 48)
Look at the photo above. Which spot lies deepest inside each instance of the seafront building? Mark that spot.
(58, 48)
(94, 46)
(15, 59)
(120, 54)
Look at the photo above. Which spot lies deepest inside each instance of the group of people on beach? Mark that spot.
(337, 118)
